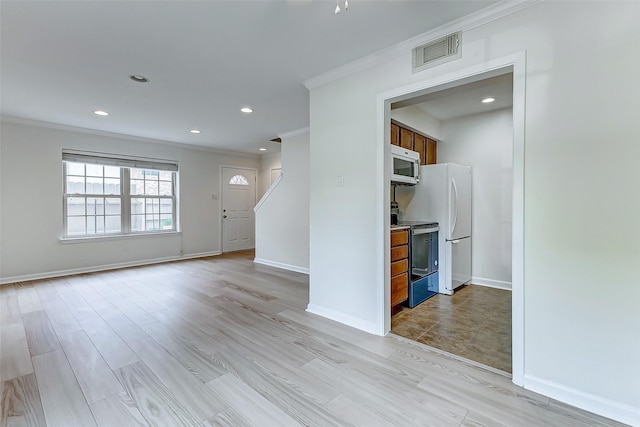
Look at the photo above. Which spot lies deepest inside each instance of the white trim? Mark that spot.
(490, 283)
(97, 268)
(294, 133)
(589, 402)
(282, 265)
(354, 322)
(266, 195)
(110, 237)
(517, 62)
(466, 23)
(57, 126)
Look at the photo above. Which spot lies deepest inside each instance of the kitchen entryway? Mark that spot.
(476, 322)
(473, 323)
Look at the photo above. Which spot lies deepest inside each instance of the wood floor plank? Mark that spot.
(352, 411)
(40, 334)
(227, 418)
(131, 310)
(199, 332)
(68, 408)
(197, 362)
(483, 398)
(282, 394)
(94, 375)
(142, 300)
(283, 362)
(158, 405)
(238, 396)
(80, 309)
(117, 410)
(7, 290)
(45, 290)
(121, 324)
(20, 404)
(60, 317)
(15, 359)
(114, 351)
(9, 309)
(28, 299)
(199, 400)
(310, 323)
(385, 397)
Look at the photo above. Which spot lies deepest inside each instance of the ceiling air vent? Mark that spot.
(437, 52)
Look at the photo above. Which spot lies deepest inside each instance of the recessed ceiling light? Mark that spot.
(138, 78)
(194, 131)
(246, 110)
(488, 100)
(262, 149)
(100, 113)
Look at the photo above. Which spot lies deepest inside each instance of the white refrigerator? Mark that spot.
(444, 195)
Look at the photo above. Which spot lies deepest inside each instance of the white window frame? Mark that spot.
(125, 164)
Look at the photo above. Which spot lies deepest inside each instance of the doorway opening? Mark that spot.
(443, 88)
(238, 198)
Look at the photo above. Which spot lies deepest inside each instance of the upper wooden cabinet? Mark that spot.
(431, 152)
(406, 139)
(395, 134)
(412, 140)
(420, 145)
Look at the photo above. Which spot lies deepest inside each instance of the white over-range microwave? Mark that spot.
(405, 166)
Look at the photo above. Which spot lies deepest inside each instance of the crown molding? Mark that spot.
(88, 131)
(293, 133)
(482, 17)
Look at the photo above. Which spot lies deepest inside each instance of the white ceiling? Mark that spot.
(205, 60)
(465, 99)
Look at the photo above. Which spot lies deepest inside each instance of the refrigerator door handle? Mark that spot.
(454, 200)
(454, 241)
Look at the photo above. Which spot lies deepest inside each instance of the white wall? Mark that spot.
(581, 321)
(485, 142)
(31, 203)
(282, 216)
(267, 163)
(418, 119)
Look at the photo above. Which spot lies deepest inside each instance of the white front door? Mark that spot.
(238, 200)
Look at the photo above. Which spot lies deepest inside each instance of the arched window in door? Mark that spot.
(238, 180)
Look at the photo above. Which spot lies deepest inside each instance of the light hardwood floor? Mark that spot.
(222, 342)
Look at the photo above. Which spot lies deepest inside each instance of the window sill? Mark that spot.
(72, 240)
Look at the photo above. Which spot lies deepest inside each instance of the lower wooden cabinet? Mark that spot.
(399, 267)
(399, 289)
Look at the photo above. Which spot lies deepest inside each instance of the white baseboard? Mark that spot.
(589, 402)
(96, 268)
(282, 265)
(345, 319)
(490, 283)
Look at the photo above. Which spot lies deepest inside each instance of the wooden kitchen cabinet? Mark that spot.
(406, 137)
(431, 152)
(395, 134)
(420, 145)
(399, 267)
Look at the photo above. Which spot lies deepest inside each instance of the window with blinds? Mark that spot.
(107, 195)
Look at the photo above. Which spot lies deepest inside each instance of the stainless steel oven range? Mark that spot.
(423, 253)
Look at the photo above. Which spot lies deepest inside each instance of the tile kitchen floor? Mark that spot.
(474, 323)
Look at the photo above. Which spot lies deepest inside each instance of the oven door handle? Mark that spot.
(425, 230)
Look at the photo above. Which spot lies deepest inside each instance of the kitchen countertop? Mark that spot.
(399, 227)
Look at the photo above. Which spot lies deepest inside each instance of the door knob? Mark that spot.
(224, 216)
